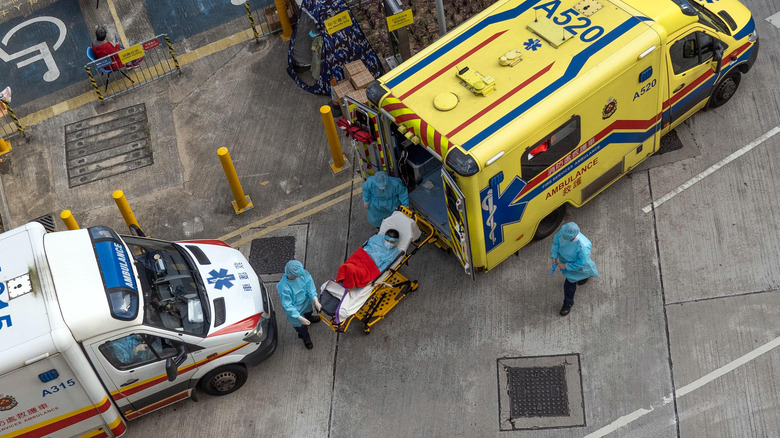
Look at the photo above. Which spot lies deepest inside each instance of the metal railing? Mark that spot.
(9, 122)
(133, 67)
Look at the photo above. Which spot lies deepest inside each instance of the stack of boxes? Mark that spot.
(272, 16)
(354, 86)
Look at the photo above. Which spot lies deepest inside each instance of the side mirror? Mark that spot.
(717, 55)
(170, 369)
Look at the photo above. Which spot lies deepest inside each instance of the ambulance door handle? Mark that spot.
(679, 88)
(129, 382)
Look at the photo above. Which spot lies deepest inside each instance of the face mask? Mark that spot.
(389, 244)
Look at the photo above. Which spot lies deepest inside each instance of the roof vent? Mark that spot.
(475, 82)
(446, 101)
(511, 58)
(588, 7)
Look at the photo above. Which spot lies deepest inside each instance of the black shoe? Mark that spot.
(581, 282)
(565, 310)
(308, 344)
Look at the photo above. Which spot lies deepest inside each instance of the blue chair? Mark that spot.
(107, 70)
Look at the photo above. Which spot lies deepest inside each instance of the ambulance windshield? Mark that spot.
(172, 289)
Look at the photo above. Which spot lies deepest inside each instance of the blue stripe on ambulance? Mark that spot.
(745, 31)
(445, 49)
(571, 72)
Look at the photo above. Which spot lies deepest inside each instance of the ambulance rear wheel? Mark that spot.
(725, 89)
(224, 380)
(549, 224)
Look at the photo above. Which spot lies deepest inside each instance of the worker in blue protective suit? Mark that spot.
(571, 252)
(382, 194)
(131, 350)
(297, 293)
(383, 249)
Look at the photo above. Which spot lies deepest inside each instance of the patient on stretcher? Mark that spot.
(367, 262)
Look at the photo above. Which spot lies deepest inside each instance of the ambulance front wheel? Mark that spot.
(549, 224)
(224, 380)
(725, 89)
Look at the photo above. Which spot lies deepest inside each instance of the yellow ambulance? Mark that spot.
(534, 105)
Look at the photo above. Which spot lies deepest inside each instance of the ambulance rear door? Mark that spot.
(456, 215)
(365, 131)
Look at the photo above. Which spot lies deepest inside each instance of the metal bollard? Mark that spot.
(242, 202)
(284, 20)
(173, 54)
(251, 20)
(5, 146)
(124, 208)
(339, 161)
(70, 222)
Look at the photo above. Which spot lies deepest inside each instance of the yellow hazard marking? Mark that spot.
(400, 20)
(287, 211)
(119, 29)
(295, 219)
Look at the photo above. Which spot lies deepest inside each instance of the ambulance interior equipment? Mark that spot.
(371, 303)
(172, 292)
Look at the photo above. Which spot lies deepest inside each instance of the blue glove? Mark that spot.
(555, 265)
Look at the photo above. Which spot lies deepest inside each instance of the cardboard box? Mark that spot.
(362, 80)
(341, 89)
(354, 68)
(359, 96)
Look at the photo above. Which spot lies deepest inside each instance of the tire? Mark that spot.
(550, 223)
(725, 89)
(224, 380)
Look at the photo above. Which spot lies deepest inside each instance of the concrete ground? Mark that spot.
(677, 337)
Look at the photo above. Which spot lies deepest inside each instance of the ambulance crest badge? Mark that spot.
(7, 402)
(609, 108)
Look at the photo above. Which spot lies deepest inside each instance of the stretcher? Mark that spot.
(371, 303)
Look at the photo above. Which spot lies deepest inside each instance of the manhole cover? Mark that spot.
(669, 142)
(107, 145)
(537, 392)
(540, 392)
(268, 255)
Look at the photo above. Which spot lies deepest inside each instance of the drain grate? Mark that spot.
(107, 145)
(268, 255)
(669, 142)
(540, 392)
(537, 392)
(47, 220)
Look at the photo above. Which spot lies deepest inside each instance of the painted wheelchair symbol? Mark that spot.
(41, 49)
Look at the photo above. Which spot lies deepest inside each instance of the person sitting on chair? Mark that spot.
(103, 48)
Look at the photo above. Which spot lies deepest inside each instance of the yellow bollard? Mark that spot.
(242, 202)
(5, 146)
(339, 161)
(284, 20)
(124, 208)
(70, 222)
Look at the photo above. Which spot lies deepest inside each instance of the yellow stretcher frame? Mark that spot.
(390, 291)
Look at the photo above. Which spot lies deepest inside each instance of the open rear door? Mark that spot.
(459, 231)
(364, 129)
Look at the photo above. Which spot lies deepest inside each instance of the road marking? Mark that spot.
(119, 29)
(287, 211)
(774, 19)
(712, 169)
(687, 389)
(294, 219)
(88, 97)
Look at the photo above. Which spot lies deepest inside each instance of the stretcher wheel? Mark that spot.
(366, 329)
(415, 285)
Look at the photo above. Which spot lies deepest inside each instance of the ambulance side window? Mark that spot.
(690, 51)
(135, 350)
(537, 158)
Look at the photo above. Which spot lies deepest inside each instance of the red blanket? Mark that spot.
(358, 270)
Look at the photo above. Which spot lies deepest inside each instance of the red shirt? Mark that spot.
(106, 49)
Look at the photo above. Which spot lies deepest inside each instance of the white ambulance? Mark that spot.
(97, 329)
